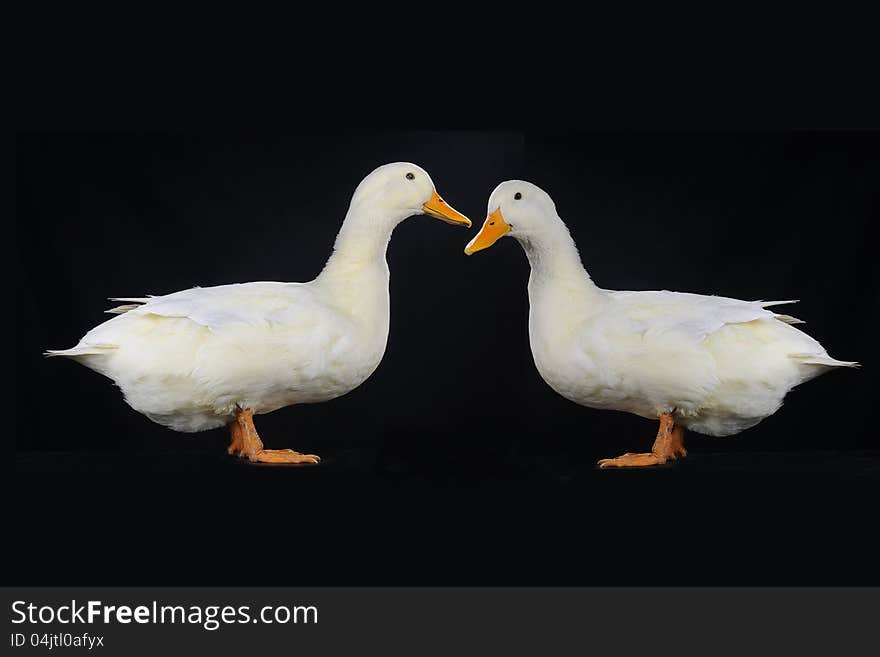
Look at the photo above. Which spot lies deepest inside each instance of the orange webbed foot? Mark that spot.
(668, 446)
(632, 460)
(282, 456)
(246, 443)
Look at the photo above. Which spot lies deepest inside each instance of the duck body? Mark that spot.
(712, 364)
(190, 359)
(206, 357)
(718, 365)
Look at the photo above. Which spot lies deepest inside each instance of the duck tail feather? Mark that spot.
(84, 350)
(767, 304)
(118, 310)
(137, 300)
(828, 361)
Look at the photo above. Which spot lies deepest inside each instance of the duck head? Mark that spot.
(517, 209)
(402, 189)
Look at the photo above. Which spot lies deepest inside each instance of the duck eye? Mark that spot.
(410, 176)
(517, 196)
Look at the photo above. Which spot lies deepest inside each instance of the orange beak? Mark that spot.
(494, 228)
(438, 208)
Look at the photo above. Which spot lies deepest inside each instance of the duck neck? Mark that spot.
(356, 274)
(558, 278)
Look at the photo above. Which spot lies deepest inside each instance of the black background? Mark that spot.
(454, 463)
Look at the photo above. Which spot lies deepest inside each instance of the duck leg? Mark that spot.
(246, 443)
(669, 445)
(236, 446)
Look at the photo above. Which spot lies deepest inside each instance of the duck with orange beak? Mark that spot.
(207, 357)
(714, 365)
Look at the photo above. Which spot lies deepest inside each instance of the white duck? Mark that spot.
(712, 364)
(201, 358)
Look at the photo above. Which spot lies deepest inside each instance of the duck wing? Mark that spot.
(216, 308)
(695, 315)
